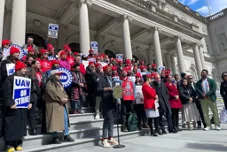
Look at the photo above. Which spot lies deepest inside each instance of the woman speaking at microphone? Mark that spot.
(15, 119)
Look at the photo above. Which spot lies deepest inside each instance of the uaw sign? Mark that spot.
(53, 30)
(66, 78)
(10, 68)
(21, 91)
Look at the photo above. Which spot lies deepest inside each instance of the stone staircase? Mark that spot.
(84, 129)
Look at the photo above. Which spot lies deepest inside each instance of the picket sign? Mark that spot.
(21, 91)
(10, 68)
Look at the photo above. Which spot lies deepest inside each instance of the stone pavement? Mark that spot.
(185, 141)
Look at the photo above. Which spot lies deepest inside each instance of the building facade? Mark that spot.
(161, 31)
(218, 40)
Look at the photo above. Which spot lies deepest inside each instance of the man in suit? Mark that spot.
(164, 107)
(206, 89)
(192, 84)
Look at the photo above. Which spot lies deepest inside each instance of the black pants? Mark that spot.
(156, 124)
(169, 120)
(175, 117)
(31, 116)
(90, 102)
(198, 105)
(126, 109)
(225, 101)
(13, 144)
(139, 108)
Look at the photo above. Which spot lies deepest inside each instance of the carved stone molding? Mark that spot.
(88, 2)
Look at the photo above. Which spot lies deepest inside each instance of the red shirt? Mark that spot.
(39, 77)
(82, 69)
(45, 65)
(70, 60)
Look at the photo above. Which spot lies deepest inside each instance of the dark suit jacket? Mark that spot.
(186, 93)
(108, 101)
(163, 96)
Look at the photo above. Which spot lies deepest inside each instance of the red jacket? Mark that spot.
(82, 69)
(71, 60)
(149, 94)
(172, 88)
(45, 65)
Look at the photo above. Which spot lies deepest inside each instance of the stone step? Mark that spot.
(81, 117)
(82, 143)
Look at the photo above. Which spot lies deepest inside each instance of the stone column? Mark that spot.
(180, 56)
(7, 25)
(127, 38)
(150, 55)
(2, 12)
(173, 64)
(157, 47)
(62, 36)
(168, 59)
(18, 25)
(197, 58)
(84, 27)
(202, 58)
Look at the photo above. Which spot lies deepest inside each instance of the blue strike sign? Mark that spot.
(66, 78)
(21, 91)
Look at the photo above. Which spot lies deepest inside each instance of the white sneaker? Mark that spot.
(106, 144)
(97, 116)
(218, 128)
(112, 141)
(207, 128)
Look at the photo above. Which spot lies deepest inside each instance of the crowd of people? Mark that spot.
(149, 93)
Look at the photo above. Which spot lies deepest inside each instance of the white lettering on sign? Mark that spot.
(23, 100)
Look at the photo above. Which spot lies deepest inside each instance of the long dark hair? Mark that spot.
(33, 70)
(222, 75)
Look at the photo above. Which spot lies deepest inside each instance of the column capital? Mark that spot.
(177, 37)
(126, 17)
(153, 29)
(88, 2)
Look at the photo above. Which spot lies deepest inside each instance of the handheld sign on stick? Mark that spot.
(21, 91)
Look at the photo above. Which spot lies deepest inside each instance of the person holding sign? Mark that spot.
(57, 118)
(14, 55)
(15, 115)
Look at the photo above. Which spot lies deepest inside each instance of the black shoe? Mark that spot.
(154, 134)
(173, 131)
(164, 131)
(67, 138)
(178, 129)
(199, 127)
(124, 128)
(56, 140)
(33, 132)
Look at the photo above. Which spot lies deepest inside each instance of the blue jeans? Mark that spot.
(66, 131)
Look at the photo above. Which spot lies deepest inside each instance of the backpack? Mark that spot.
(132, 123)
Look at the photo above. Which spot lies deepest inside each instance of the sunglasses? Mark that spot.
(225, 75)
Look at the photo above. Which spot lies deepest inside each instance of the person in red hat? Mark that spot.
(15, 119)
(149, 68)
(11, 59)
(96, 77)
(31, 52)
(142, 63)
(77, 90)
(63, 61)
(4, 50)
(91, 54)
(151, 105)
(82, 67)
(45, 64)
(154, 67)
(90, 70)
(70, 58)
(109, 107)
(128, 97)
(51, 50)
(143, 68)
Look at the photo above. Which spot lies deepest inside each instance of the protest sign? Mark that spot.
(160, 68)
(103, 64)
(116, 78)
(53, 31)
(21, 91)
(95, 46)
(92, 59)
(119, 57)
(85, 63)
(10, 68)
(139, 95)
(132, 78)
(66, 77)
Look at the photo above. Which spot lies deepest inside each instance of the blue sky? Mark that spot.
(202, 7)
